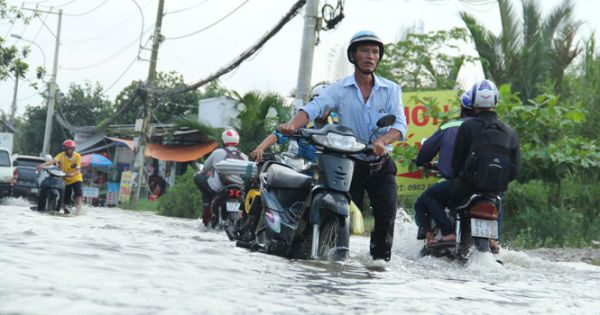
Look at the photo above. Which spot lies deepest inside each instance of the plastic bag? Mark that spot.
(357, 226)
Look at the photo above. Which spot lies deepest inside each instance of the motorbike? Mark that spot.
(307, 217)
(475, 222)
(52, 188)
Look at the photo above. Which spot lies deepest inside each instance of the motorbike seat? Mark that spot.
(279, 176)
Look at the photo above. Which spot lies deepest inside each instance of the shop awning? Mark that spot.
(179, 153)
(128, 143)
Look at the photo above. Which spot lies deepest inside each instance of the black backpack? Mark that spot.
(488, 164)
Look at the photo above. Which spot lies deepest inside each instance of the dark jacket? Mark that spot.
(469, 131)
(441, 142)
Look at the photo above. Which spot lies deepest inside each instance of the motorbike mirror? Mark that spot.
(386, 120)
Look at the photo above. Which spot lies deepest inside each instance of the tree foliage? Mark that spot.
(530, 50)
(258, 115)
(425, 61)
(164, 109)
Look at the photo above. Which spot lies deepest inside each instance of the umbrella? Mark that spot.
(95, 160)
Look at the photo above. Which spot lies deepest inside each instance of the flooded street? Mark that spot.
(111, 261)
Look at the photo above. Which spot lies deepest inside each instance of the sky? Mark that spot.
(100, 39)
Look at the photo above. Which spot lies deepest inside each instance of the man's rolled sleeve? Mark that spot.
(397, 108)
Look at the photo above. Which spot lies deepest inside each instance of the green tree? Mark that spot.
(258, 115)
(530, 50)
(82, 105)
(165, 109)
(425, 61)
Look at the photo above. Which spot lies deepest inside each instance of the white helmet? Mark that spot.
(48, 157)
(230, 137)
(484, 94)
(318, 90)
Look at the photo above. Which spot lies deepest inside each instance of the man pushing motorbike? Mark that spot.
(359, 101)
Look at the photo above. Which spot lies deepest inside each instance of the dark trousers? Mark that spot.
(208, 194)
(432, 204)
(381, 188)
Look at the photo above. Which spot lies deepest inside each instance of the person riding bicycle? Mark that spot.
(360, 100)
(440, 144)
(305, 149)
(208, 180)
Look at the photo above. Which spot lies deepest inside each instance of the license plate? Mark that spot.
(484, 228)
(233, 206)
(34, 190)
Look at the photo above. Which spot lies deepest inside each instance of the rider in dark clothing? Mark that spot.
(484, 97)
(441, 144)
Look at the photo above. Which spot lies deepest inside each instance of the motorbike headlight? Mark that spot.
(56, 172)
(339, 142)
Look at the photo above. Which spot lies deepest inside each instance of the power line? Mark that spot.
(210, 25)
(245, 55)
(108, 58)
(99, 36)
(122, 74)
(188, 8)
(87, 12)
(64, 4)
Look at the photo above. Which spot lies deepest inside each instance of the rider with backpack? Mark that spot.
(440, 144)
(208, 179)
(486, 155)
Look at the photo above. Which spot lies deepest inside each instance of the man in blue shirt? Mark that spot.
(359, 101)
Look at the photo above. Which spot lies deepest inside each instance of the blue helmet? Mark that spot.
(484, 94)
(465, 100)
(363, 37)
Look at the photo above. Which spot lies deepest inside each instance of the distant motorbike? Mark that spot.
(475, 222)
(225, 206)
(306, 218)
(52, 189)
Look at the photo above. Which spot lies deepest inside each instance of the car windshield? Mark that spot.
(4, 158)
(30, 163)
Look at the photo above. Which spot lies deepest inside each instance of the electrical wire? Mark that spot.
(122, 74)
(185, 9)
(108, 58)
(210, 25)
(142, 29)
(64, 4)
(99, 36)
(87, 12)
(245, 55)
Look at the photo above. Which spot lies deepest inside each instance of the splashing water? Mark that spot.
(110, 261)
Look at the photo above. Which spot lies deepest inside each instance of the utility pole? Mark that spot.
(307, 51)
(147, 112)
(52, 84)
(13, 106)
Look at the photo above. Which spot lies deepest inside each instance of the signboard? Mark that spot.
(125, 187)
(112, 194)
(91, 192)
(419, 128)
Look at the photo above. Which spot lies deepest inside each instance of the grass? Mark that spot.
(142, 205)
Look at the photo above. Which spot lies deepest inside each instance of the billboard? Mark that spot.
(420, 127)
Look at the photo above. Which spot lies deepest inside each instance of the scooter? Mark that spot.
(475, 222)
(307, 218)
(52, 189)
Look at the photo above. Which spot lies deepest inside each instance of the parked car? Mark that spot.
(6, 174)
(26, 184)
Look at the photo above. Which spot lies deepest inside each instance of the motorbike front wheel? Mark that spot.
(52, 204)
(334, 239)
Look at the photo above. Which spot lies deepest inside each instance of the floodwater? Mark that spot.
(111, 261)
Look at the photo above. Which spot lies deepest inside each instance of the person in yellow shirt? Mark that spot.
(69, 162)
